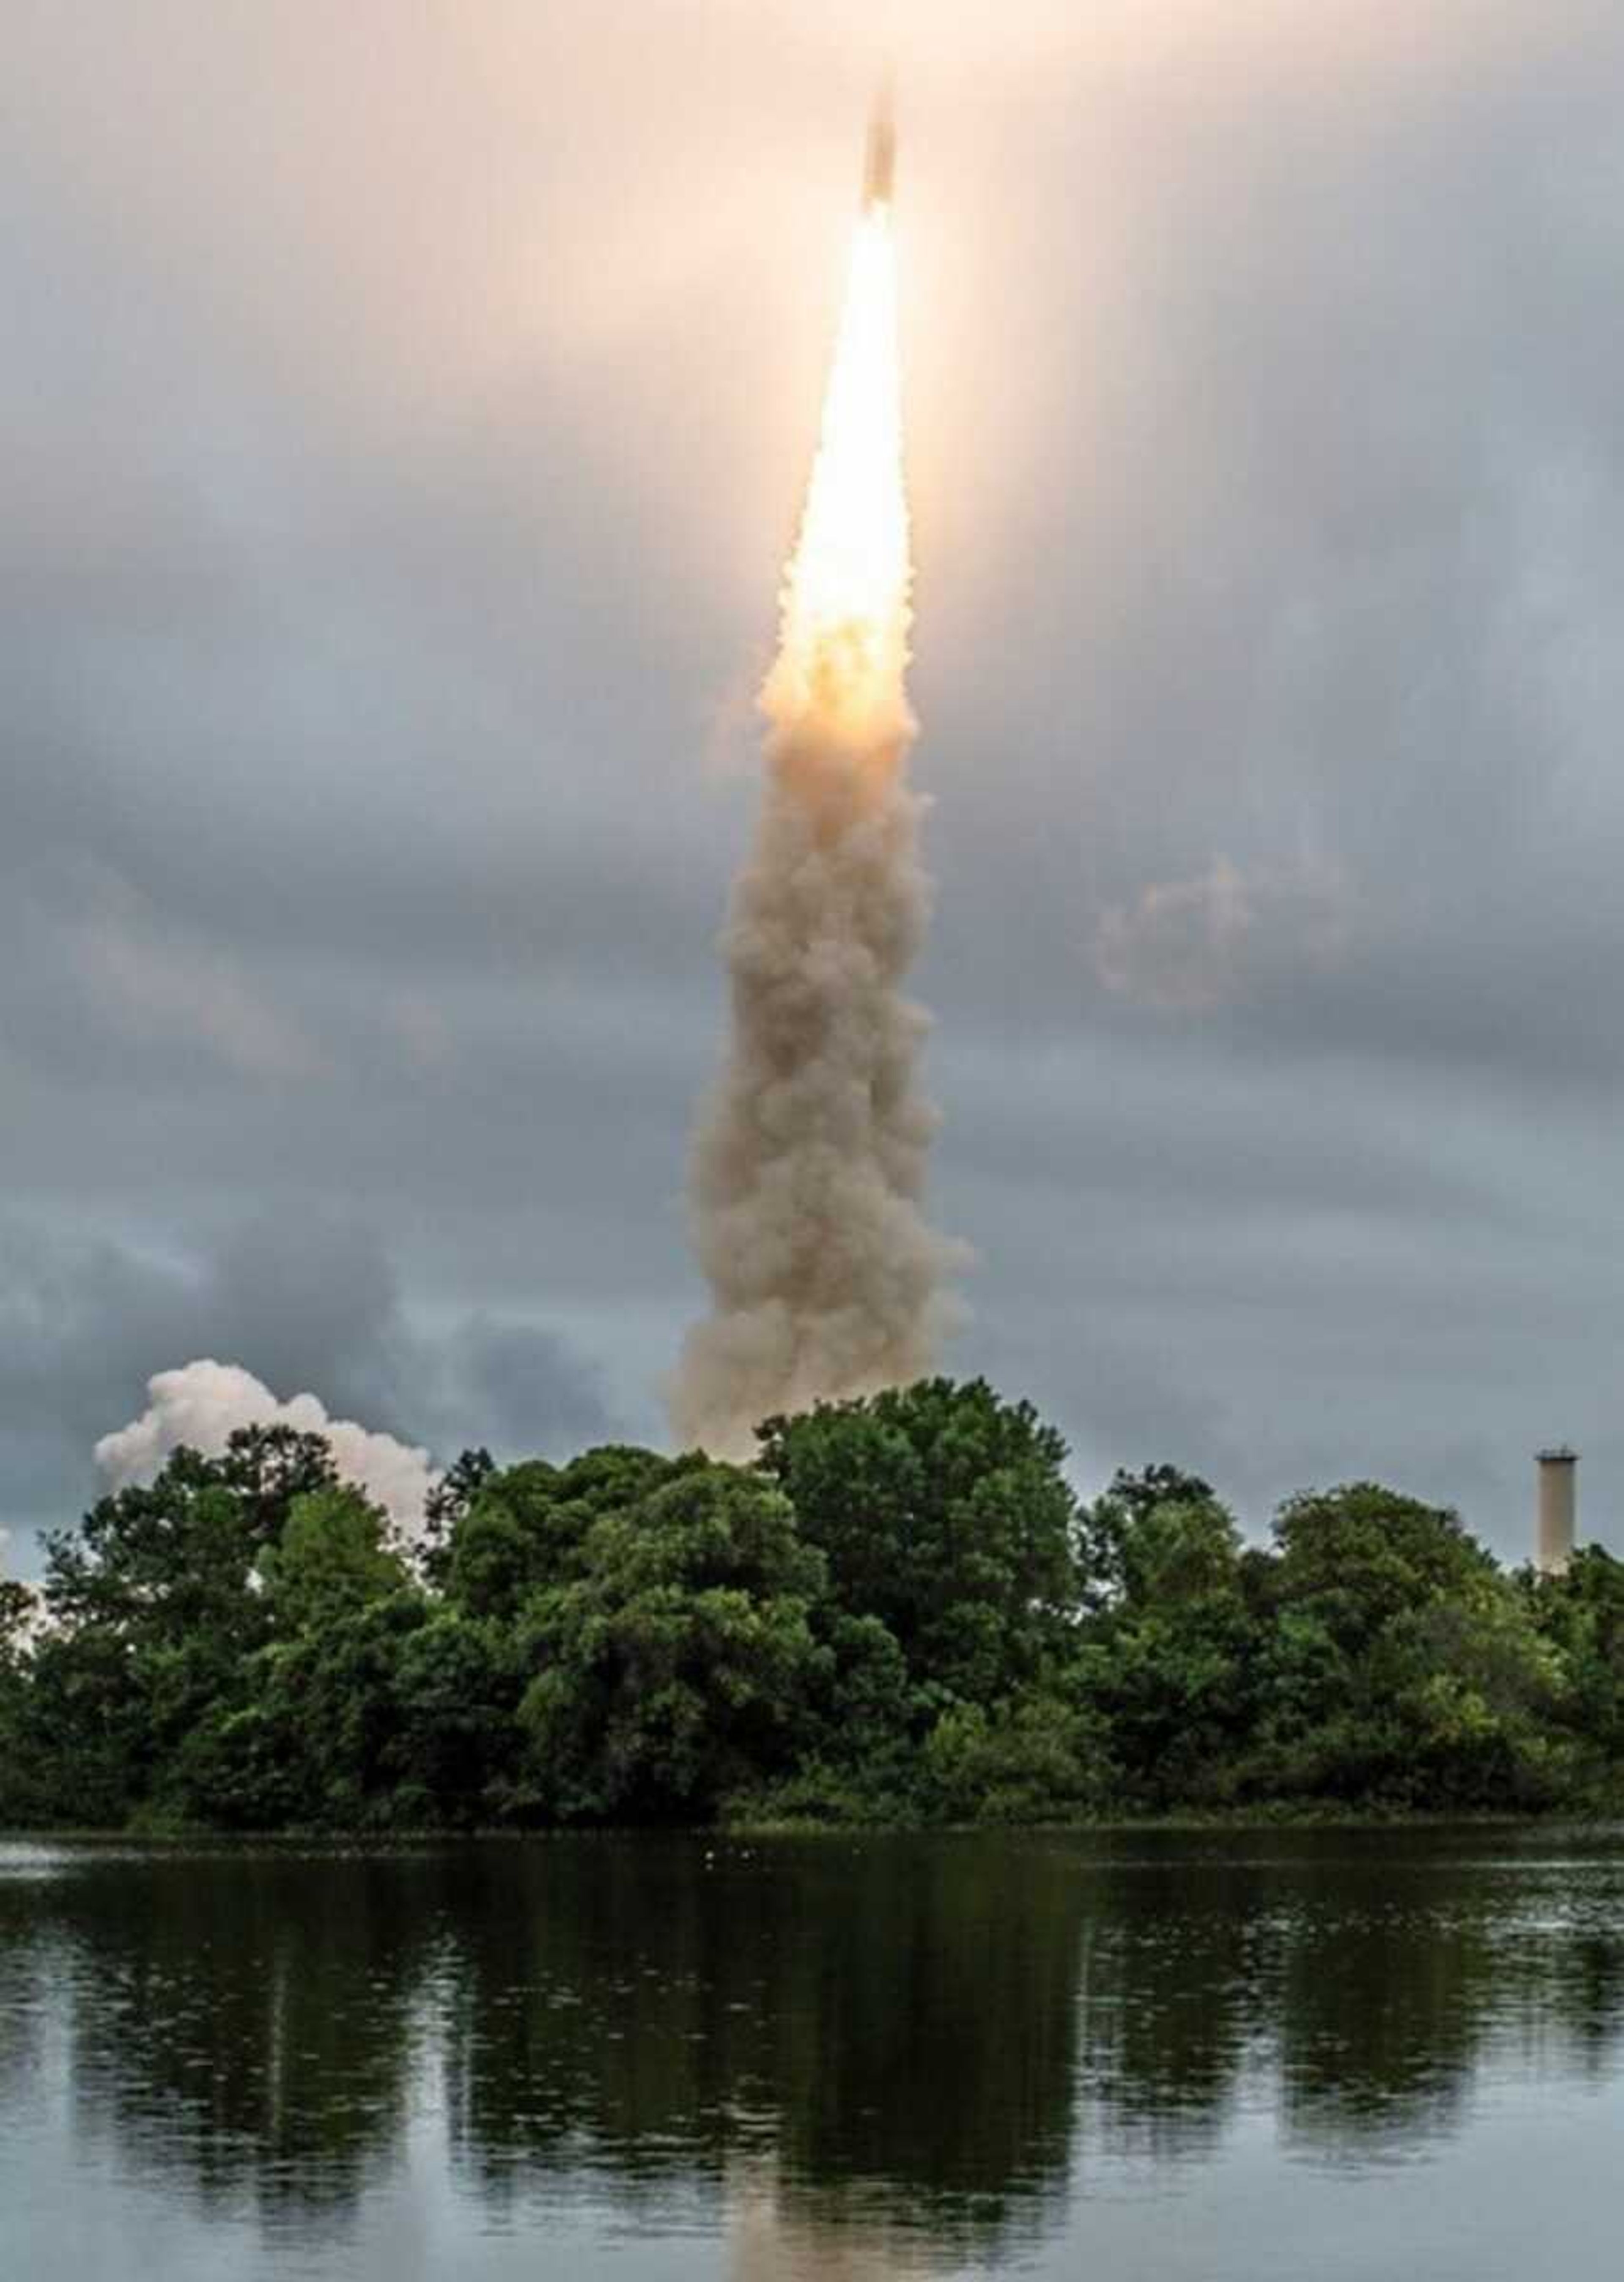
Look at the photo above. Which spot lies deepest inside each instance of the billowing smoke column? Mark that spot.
(809, 1166)
(204, 1403)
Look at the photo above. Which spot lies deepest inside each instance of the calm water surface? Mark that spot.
(1136, 2059)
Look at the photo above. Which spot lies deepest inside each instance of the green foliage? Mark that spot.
(456, 1687)
(528, 1526)
(79, 1744)
(679, 1661)
(1361, 1555)
(1165, 1663)
(18, 1604)
(448, 1507)
(1582, 1615)
(1401, 1666)
(1107, 1530)
(946, 1514)
(330, 1562)
(897, 1614)
(1034, 1759)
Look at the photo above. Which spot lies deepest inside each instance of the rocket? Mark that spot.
(880, 163)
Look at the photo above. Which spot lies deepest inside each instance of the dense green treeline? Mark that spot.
(899, 1612)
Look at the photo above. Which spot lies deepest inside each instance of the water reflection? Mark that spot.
(849, 2059)
(253, 2022)
(892, 2017)
(772, 2238)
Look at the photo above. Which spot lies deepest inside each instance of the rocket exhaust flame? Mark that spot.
(809, 1164)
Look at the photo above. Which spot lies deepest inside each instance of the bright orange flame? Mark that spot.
(843, 644)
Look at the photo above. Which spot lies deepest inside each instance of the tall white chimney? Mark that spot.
(1557, 1472)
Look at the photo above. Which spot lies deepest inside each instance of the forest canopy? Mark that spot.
(899, 1613)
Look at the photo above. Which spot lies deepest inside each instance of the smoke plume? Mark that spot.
(202, 1405)
(809, 1164)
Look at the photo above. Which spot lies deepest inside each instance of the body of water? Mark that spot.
(1158, 2058)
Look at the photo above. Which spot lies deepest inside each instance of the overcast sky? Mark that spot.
(403, 414)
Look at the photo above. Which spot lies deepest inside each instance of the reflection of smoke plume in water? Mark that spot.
(810, 1162)
(203, 1404)
(766, 2244)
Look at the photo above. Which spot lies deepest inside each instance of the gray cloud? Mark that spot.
(534, 1392)
(1191, 946)
(306, 1303)
(400, 433)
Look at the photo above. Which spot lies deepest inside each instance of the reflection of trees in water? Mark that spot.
(1591, 1966)
(1170, 2002)
(1362, 1982)
(1408, 1968)
(245, 2020)
(900, 2013)
(1308, 1978)
(866, 2051)
(1383, 2004)
(32, 1964)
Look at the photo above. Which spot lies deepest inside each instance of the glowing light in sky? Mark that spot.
(844, 642)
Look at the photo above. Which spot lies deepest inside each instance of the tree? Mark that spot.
(944, 1513)
(1164, 1661)
(152, 1618)
(268, 1467)
(527, 1525)
(1362, 1554)
(176, 1559)
(1035, 1759)
(18, 1613)
(678, 1664)
(156, 1564)
(1109, 1528)
(898, 1612)
(1476, 1697)
(331, 1560)
(1580, 1613)
(447, 1506)
(1398, 1667)
(317, 1739)
(21, 1800)
(456, 1685)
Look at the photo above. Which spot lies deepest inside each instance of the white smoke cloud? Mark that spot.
(202, 1404)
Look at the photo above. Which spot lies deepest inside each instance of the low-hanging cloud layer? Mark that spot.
(393, 519)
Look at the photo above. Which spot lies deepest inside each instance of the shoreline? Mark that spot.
(1195, 1822)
